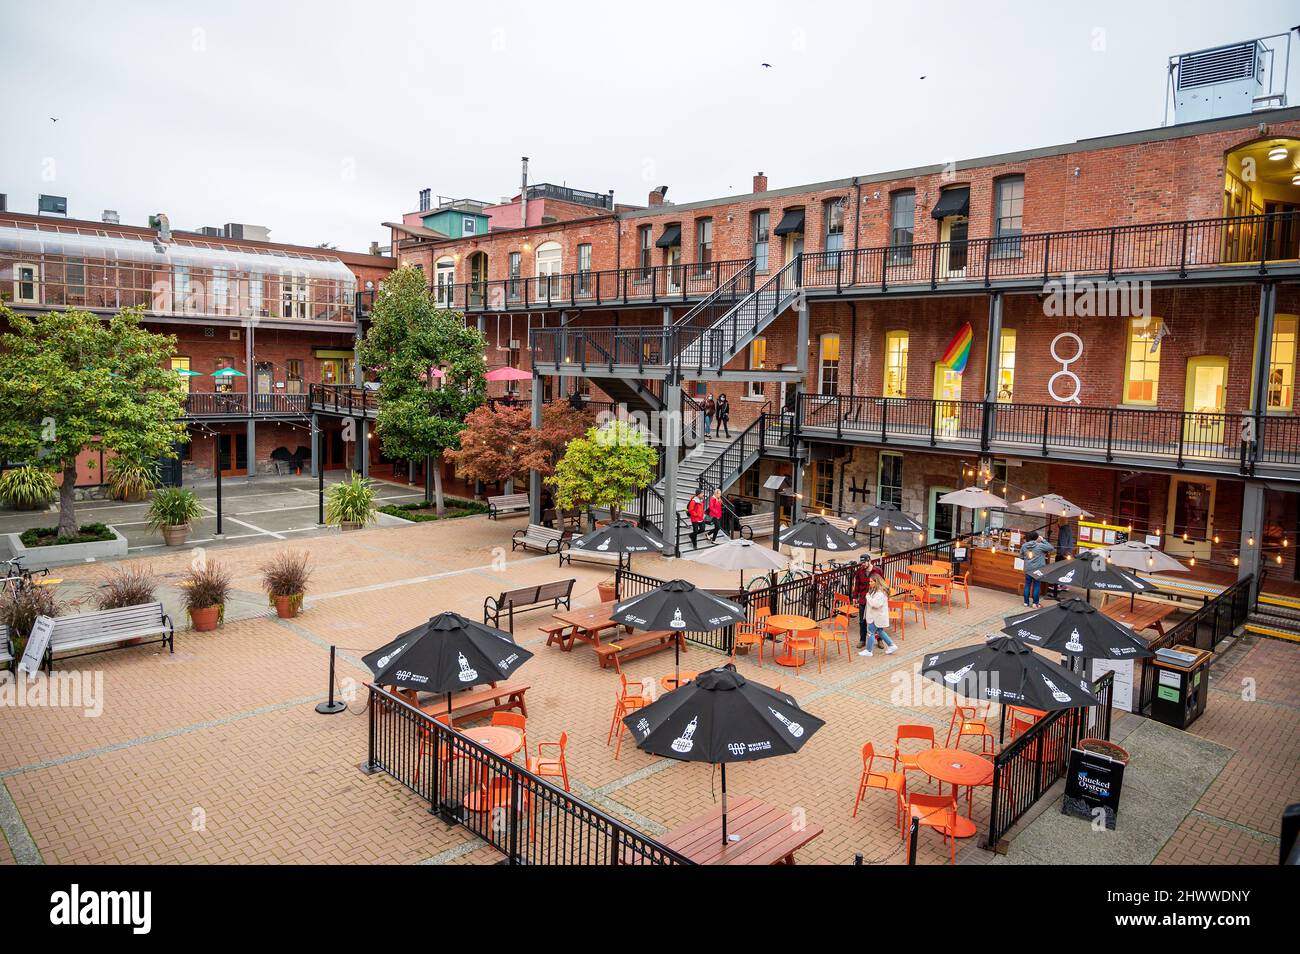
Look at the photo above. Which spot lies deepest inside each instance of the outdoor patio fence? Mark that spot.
(524, 817)
(1034, 762)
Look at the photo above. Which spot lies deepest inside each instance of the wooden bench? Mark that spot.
(477, 703)
(526, 597)
(507, 503)
(537, 537)
(755, 525)
(6, 648)
(632, 645)
(568, 554)
(559, 634)
(86, 633)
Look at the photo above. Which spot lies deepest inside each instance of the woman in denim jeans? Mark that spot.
(1034, 554)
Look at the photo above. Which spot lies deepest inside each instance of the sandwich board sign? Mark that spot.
(37, 643)
(1093, 782)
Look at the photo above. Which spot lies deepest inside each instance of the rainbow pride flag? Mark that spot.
(958, 351)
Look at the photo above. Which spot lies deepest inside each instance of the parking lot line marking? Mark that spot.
(252, 526)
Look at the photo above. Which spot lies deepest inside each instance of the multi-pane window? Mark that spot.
(749, 482)
(889, 479)
(514, 264)
(219, 293)
(1281, 365)
(181, 288)
(645, 248)
(1142, 367)
(823, 484)
(829, 366)
(293, 376)
(180, 363)
(76, 280)
(757, 362)
(224, 382)
(703, 243)
(896, 364)
(1134, 500)
(293, 295)
(902, 226)
(1006, 364)
(584, 269)
(26, 280)
(255, 291)
(444, 275)
(760, 223)
(833, 216)
(1008, 215)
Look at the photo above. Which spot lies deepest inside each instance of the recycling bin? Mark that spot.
(1182, 682)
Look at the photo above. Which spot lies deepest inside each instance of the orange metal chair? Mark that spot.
(961, 583)
(939, 588)
(749, 634)
(841, 603)
(1021, 721)
(938, 812)
(920, 733)
(632, 697)
(838, 633)
(895, 782)
(968, 722)
(554, 767)
(898, 611)
(513, 720)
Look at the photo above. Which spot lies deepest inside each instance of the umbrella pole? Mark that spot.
(724, 803)
(449, 710)
(677, 661)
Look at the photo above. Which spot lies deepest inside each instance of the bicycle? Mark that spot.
(17, 577)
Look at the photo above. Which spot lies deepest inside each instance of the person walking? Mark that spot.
(715, 514)
(710, 409)
(695, 513)
(1033, 554)
(873, 618)
(724, 415)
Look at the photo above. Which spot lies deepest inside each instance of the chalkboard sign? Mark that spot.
(1093, 781)
(37, 643)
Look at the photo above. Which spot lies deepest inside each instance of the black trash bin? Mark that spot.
(1182, 682)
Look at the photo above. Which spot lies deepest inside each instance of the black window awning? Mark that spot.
(791, 221)
(952, 202)
(672, 236)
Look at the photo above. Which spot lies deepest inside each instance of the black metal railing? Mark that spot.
(527, 819)
(1034, 762)
(1178, 438)
(735, 457)
(345, 399)
(1209, 625)
(216, 404)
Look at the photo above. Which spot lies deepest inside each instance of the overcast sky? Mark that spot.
(320, 120)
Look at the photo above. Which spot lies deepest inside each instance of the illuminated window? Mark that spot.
(829, 366)
(823, 484)
(1142, 368)
(182, 363)
(757, 362)
(1006, 364)
(896, 364)
(1281, 365)
(224, 383)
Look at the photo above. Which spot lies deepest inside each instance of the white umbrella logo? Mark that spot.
(683, 743)
(1068, 578)
(1074, 645)
(466, 673)
(1057, 694)
(952, 678)
(677, 622)
(795, 728)
(604, 544)
(385, 660)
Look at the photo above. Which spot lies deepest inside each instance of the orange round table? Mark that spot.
(499, 739)
(790, 624)
(669, 683)
(928, 570)
(958, 768)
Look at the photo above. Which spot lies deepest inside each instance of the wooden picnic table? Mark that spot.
(589, 622)
(767, 835)
(1138, 614)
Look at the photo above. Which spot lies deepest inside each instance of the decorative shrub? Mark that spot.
(127, 585)
(286, 575)
(130, 479)
(49, 536)
(27, 488)
(18, 610)
(352, 501)
(173, 507)
(205, 586)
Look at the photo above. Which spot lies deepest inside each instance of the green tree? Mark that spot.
(71, 380)
(605, 468)
(421, 414)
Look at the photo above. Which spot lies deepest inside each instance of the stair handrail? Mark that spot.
(708, 479)
(727, 289)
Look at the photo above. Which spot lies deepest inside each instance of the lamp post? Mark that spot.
(774, 484)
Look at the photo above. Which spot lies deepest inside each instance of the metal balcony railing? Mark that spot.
(236, 403)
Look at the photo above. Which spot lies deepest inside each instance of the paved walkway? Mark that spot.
(215, 754)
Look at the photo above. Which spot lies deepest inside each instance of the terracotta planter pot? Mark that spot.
(286, 607)
(348, 525)
(606, 591)
(205, 619)
(175, 536)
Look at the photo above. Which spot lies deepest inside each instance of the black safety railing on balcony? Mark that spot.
(345, 399)
(1254, 241)
(524, 817)
(1032, 763)
(1237, 440)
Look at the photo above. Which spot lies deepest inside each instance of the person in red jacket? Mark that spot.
(715, 514)
(695, 512)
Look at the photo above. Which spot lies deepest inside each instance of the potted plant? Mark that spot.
(284, 578)
(27, 488)
(351, 504)
(206, 588)
(131, 480)
(605, 590)
(128, 585)
(19, 609)
(171, 512)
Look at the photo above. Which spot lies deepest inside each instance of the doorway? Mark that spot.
(793, 249)
(673, 259)
(941, 524)
(232, 454)
(947, 398)
(1189, 522)
(1205, 400)
(953, 231)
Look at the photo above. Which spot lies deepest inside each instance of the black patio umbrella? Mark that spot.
(447, 653)
(1005, 670)
(618, 536)
(281, 453)
(816, 533)
(1090, 572)
(722, 717)
(680, 606)
(1077, 628)
(886, 517)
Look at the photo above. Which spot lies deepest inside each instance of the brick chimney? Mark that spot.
(760, 183)
(657, 195)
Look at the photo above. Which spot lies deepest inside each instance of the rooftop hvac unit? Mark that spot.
(1232, 80)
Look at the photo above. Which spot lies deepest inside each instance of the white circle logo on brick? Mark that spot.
(1071, 379)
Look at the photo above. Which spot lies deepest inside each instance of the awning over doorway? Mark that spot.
(952, 202)
(791, 221)
(672, 236)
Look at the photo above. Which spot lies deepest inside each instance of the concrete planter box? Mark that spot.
(38, 557)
